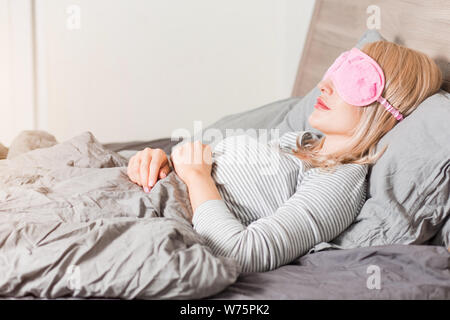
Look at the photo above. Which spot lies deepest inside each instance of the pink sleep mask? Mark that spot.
(359, 80)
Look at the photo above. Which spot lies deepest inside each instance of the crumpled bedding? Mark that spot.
(73, 225)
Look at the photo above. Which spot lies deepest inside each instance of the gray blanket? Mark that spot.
(72, 224)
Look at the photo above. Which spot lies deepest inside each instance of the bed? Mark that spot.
(172, 263)
(344, 274)
(405, 271)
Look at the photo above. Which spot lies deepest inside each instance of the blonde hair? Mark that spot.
(411, 77)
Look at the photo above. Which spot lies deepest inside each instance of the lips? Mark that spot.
(321, 105)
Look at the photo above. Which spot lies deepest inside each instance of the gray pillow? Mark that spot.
(265, 117)
(409, 186)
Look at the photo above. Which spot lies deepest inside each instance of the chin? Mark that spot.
(315, 122)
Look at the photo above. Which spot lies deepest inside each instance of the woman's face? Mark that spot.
(337, 117)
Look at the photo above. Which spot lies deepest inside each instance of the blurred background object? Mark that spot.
(3, 152)
(29, 140)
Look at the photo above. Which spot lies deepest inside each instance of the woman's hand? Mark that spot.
(147, 166)
(192, 160)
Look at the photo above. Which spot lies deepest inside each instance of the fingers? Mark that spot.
(199, 153)
(192, 153)
(164, 171)
(133, 168)
(158, 158)
(207, 154)
(147, 166)
(146, 158)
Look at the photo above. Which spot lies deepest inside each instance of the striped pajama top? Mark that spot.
(275, 207)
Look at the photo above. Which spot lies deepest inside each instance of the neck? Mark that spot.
(334, 143)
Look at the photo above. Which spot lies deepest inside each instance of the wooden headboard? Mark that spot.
(337, 25)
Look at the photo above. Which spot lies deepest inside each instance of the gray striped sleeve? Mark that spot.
(324, 205)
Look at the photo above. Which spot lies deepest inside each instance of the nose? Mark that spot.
(326, 86)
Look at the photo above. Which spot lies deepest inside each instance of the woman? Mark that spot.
(318, 187)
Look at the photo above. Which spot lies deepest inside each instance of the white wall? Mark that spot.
(6, 129)
(138, 69)
(17, 108)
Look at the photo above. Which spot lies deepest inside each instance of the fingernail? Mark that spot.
(145, 189)
(150, 184)
(163, 175)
